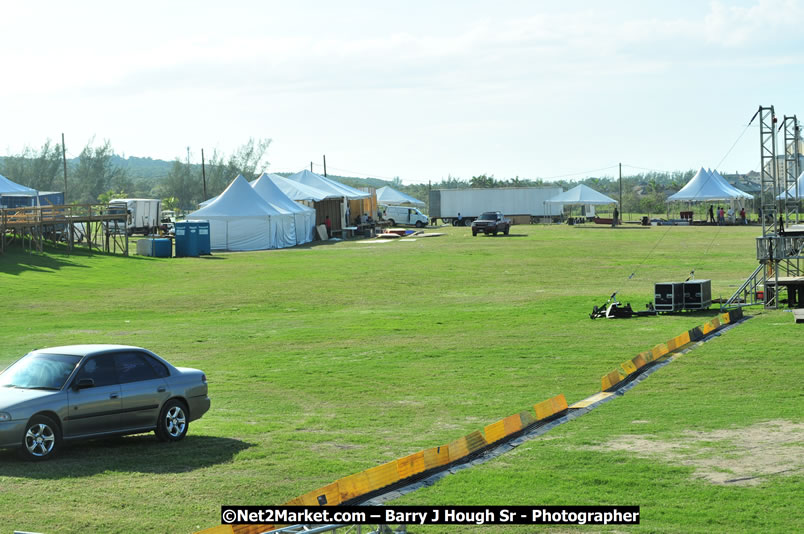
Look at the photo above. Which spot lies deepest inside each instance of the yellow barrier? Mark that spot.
(466, 445)
(436, 457)
(502, 428)
(611, 379)
(550, 407)
(328, 495)
(410, 465)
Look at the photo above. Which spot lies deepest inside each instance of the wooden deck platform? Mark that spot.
(95, 224)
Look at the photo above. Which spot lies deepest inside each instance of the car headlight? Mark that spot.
(5, 416)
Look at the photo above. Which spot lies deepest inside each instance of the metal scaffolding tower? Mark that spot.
(779, 250)
(768, 169)
(792, 154)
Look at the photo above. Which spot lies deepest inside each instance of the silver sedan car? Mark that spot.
(90, 391)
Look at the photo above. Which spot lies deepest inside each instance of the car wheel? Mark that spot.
(494, 232)
(467, 222)
(41, 440)
(474, 233)
(506, 230)
(172, 424)
(419, 224)
(393, 222)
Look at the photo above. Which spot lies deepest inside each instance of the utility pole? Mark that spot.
(64, 162)
(204, 173)
(325, 165)
(311, 166)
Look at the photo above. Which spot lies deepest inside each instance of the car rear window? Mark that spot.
(132, 367)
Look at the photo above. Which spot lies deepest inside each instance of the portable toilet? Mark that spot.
(186, 239)
(204, 246)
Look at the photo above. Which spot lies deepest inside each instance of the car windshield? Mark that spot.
(489, 216)
(39, 371)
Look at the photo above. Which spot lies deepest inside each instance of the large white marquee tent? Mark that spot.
(299, 191)
(581, 194)
(330, 186)
(240, 219)
(294, 230)
(791, 192)
(707, 185)
(392, 197)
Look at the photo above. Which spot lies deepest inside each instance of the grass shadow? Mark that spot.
(141, 453)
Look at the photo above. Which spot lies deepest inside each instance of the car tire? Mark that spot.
(393, 222)
(506, 230)
(467, 222)
(494, 232)
(474, 233)
(173, 421)
(41, 440)
(419, 224)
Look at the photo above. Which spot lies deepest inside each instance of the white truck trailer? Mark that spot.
(142, 214)
(462, 206)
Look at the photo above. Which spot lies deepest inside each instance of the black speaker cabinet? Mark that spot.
(669, 296)
(697, 294)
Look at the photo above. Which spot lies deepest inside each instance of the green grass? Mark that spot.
(326, 360)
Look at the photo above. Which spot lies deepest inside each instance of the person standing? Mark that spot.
(328, 224)
(711, 213)
(742, 216)
(615, 217)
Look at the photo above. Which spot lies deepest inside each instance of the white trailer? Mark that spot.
(142, 214)
(462, 206)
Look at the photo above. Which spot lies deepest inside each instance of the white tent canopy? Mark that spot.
(791, 193)
(392, 197)
(302, 218)
(582, 195)
(240, 219)
(330, 186)
(299, 191)
(708, 186)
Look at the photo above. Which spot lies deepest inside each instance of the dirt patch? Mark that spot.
(743, 456)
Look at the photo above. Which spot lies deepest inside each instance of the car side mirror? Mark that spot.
(84, 383)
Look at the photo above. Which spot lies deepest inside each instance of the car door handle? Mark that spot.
(160, 389)
(114, 395)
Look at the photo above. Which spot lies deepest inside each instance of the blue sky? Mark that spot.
(409, 89)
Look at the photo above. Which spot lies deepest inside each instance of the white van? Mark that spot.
(398, 215)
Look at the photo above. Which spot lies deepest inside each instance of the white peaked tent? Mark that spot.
(581, 194)
(708, 186)
(392, 197)
(302, 220)
(240, 219)
(330, 186)
(299, 191)
(791, 193)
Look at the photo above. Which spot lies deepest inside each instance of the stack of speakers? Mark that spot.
(678, 296)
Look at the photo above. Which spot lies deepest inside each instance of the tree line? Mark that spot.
(97, 175)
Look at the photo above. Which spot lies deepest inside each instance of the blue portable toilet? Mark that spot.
(183, 236)
(192, 238)
(204, 246)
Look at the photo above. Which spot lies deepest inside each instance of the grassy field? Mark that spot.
(326, 360)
